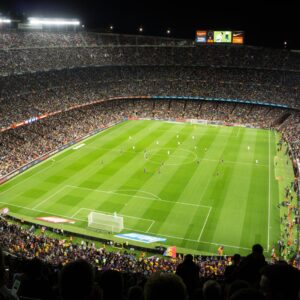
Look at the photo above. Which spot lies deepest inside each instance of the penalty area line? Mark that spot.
(158, 234)
(207, 216)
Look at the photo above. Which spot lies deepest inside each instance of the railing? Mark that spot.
(173, 97)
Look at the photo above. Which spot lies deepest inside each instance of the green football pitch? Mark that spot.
(197, 186)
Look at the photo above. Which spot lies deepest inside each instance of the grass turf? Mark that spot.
(167, 180)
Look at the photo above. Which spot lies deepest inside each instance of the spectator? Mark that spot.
(236, 286)
(77, 282)
(249, 268)
(165, 286)
(212, 290)
(5, 293)
(112, 284)
(280, 282)
(33, 283)
(230, 271)
(135, 293)
(189, 272)
(247, 294)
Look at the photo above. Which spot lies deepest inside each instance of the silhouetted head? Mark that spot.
(188, 257)
(212, 290)
(135, 293)
(34, 267)
(165, 286)
(257, 249)
(280, 281)
(236, 286)
(247, 294)
(2, 270)
(111, 283)
(76, 280)
(1, 257)
(236, 258)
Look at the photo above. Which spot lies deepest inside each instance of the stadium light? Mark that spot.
(168, 31)
(141, 29)
(111, 27)
(6, 21)
(54, 22)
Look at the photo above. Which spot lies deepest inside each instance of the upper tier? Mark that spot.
(37, 51)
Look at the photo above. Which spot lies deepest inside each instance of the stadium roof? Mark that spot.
(265, 25)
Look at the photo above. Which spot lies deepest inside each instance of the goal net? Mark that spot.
(105, 222)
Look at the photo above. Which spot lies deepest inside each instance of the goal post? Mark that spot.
(105, 222)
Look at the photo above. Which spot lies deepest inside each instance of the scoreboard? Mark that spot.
(219, 37)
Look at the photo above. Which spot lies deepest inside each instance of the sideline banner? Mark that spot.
(147, 239)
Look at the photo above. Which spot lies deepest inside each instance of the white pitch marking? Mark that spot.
(269, 200)
(207, 216)
(27, 178)
(150, 226)
(134, 196)
(52, 195)
(170, 236)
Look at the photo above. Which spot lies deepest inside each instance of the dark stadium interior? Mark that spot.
(266, 24)
(57, 86)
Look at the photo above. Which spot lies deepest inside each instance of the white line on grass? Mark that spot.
(51, 196)
(150, 226)
(174, 237)
(207, 216)
(163, 235)
(139, 191)
(235, 162)
(195, 154)
(37, 210)
(269, 200)
(229, 246)
(27, 178)
(76, 212)
(237, 135)
(58, 215)
(52, 156)
(134, 196)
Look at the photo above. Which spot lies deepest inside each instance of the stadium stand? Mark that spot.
(56, 87)
(128, 269)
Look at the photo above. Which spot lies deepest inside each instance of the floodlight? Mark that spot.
(55, 22)
(141, 29)
(7, 21)
(111, 27)
(168, 31)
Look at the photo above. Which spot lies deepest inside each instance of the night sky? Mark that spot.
(264, 24)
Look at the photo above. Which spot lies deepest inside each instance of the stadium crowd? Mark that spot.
(25, 96)
(34, 51)
(39, 266)
(49, 73)
(291, 132)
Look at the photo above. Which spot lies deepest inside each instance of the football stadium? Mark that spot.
(125, 150)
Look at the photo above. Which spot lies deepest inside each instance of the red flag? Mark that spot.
(170, 252)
